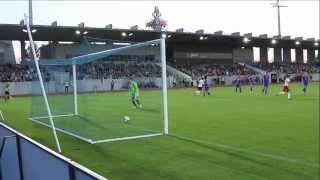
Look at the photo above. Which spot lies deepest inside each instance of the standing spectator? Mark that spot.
(7, 92)
(66, 87)
(112, 85)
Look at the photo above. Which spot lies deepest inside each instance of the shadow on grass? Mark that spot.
(241, 156)
(150, 110)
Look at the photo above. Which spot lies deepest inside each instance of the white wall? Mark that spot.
(88, 85)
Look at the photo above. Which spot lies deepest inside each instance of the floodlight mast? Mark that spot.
(35, 58)
(278, 6)
(30, 13)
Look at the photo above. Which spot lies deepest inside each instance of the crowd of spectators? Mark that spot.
(289, 68)
(102, 70)
(107, 70)
(97, 70)
(15, 73)
(212, 69)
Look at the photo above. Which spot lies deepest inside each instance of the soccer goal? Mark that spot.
(86, 95)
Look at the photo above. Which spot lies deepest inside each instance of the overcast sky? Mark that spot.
(300, 18)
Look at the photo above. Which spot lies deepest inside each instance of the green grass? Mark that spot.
(224, 136)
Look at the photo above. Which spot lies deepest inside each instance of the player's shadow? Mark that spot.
(150, 110)
(91, 122)
(237, 155)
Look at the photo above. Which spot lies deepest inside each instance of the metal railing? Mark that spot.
(25, 154)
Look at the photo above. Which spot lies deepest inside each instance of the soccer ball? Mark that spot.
(126, 119)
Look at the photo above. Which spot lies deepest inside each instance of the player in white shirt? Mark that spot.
(199, 86)
(285, 89)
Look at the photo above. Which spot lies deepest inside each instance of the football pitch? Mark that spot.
(218, 137)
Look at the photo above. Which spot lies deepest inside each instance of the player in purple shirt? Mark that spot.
(252, 82)
(237, 83)
(305, 81)
(206, 91)
(265, 81)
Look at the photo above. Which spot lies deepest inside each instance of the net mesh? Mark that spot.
(103, 74)
(1, 116)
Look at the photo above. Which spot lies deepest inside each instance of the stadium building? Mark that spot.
(183, 49)
(201, 46)
(7, 53)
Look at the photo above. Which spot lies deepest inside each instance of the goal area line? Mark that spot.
(88, 140)
(54, 116)
(127, 138)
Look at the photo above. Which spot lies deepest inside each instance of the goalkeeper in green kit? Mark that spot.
(134, 93)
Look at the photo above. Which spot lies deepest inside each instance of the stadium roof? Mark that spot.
(68, 33)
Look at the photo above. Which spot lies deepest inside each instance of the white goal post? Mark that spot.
(164, 86)
(35, 58)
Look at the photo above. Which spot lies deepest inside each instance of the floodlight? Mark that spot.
(123, 34)
(163, 35)
(121, 44)
(298, 43)
(77, 32)
(316, 44)
(273, 41)
(85, 32)
(246, 39)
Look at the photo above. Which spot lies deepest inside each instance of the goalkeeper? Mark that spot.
(134, 93)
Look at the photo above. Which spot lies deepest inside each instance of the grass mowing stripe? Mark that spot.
(273, 156)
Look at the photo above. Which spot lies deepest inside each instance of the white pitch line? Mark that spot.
(126, 138)
(54, 116)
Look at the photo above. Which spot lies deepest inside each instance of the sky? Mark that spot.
(300, 18)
